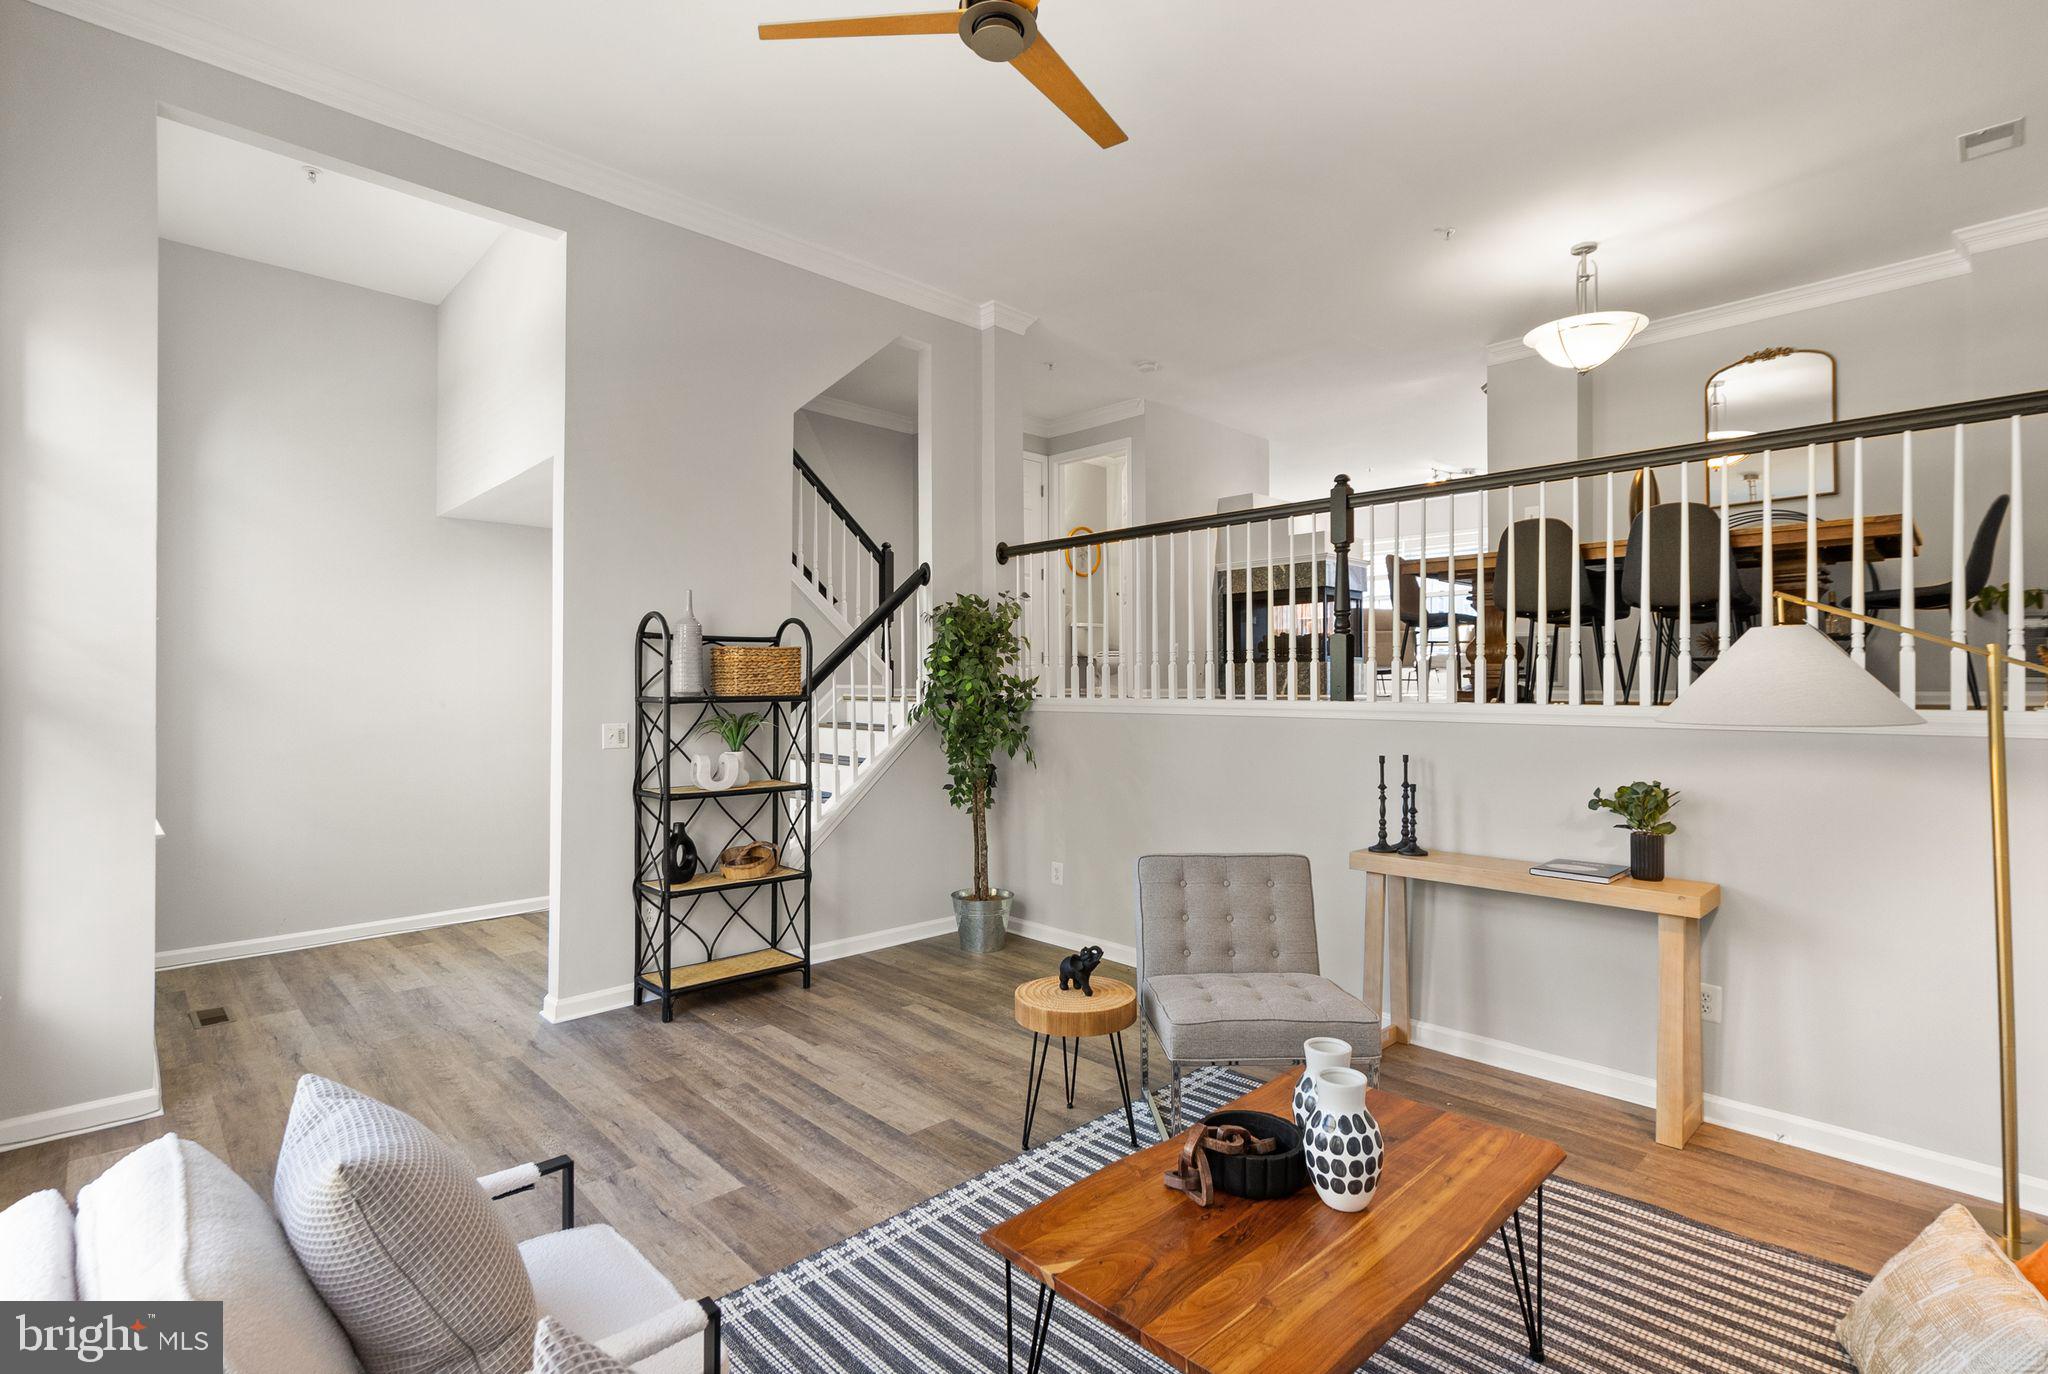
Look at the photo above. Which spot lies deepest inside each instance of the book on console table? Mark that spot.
(1580, 870)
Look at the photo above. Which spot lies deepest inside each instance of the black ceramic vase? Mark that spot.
(1646, 857)
(683, 862)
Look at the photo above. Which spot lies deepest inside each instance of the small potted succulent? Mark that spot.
(1642, 807)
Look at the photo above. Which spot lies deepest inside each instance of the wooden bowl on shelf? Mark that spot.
(743, 861)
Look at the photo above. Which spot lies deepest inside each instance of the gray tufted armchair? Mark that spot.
(1228, 971)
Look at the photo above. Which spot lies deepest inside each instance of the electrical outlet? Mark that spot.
(1059, 875)
(611, 737)
(1710, 1002)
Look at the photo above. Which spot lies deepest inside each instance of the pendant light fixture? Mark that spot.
(1584, 340)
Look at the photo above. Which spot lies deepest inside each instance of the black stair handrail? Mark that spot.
(876, 620)
(1342, 497)
(834, 504)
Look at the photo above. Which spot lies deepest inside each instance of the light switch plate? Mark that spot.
(1059, 874)
(611, 737)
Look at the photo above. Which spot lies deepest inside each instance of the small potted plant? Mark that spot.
(1642, 807)
(980, 706)
(733, 732)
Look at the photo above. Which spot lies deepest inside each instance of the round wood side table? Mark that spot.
(1069, 1017)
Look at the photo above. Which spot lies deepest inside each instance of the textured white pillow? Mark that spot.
(558, 1350)
(1949, 1303)
(35, 1250)
(395, 1233)
(170, 1221)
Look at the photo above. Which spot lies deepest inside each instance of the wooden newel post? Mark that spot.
(1340, 622)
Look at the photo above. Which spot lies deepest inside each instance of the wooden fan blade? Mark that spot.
(1047, 70)
(869, 26)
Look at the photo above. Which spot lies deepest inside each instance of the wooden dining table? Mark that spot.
(1835, 541)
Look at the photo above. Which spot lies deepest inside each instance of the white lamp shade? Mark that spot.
(1583, 342)
(1787, 675)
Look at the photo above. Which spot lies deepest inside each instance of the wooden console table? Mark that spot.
(1678, 905)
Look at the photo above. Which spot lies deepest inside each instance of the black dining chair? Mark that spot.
(1542, 563)
(1662, 530)
(1411, 613)
(1940, 596)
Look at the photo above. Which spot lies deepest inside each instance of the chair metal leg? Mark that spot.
(1173, 1102)
(1145, 1080)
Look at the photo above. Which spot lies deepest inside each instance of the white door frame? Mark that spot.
(1056, 465)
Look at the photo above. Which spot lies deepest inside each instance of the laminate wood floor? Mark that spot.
(767, 1122)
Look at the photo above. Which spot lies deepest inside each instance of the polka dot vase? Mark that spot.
(1321, 1052)
(1342, 1142)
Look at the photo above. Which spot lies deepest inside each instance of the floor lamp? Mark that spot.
(1791, 674)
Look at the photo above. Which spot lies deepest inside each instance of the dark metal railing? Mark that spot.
(832, 503)
(1173, 614)
(878, 619)
(1867, 427)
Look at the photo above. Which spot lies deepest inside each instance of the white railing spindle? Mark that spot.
(1684, 578)
(1909, 658)
(1861, 557)
(2016, 605)
(1812, 533)
(1958, 661)
(1646, 677)
(1511, 673)
(1610, 652)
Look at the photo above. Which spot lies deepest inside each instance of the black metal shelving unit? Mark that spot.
(666, 916)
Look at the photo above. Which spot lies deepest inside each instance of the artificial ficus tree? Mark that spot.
(979, 703)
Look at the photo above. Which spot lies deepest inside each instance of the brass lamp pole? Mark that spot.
(2016, 1232)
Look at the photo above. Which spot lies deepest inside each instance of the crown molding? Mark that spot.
(863, 415)
(218, 46)
(1059, 428)
(995, 314)
(2008, 232)
(1871, 281)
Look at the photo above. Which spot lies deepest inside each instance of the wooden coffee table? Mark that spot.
(1070, 1016)
(1287, 1287)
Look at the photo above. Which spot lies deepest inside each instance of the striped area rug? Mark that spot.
(1628, 1287)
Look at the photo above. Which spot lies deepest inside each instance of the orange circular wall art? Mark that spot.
(1096, 549)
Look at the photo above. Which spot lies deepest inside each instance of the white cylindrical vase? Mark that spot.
(1342, 1143)
(1317, 1053)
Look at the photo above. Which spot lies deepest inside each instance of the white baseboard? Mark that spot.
(560, 1009)
(58, 1122)
(1837, 1142)
(1073, 939)
(337, 935)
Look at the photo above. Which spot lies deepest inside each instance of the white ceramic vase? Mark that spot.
(730, 771)
(1319, 1052)
(1342, 1142)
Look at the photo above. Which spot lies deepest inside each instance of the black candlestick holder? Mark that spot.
(1382, 847)
(1411, 815)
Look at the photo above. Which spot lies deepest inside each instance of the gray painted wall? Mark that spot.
(352, 691)
(685, 359)
(78, 481)
(1853, 944)
(874, 472)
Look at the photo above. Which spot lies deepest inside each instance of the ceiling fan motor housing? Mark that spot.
(998, 30)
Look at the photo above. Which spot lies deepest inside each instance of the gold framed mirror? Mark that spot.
(1771, 389)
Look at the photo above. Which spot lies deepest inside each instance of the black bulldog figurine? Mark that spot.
(1076, 967)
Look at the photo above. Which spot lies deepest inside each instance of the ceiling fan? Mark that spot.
(998, 30)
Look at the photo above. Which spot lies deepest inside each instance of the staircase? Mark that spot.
(863, 689)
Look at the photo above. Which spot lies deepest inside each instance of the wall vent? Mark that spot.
(1998, 138)
(210, 1016)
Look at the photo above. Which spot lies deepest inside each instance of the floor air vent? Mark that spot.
(210, 1016)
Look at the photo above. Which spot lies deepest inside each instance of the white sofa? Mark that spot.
(169, 1221)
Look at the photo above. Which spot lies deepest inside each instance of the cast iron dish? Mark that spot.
(1262, 1178)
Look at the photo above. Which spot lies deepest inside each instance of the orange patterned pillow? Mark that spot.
(2035, 1267)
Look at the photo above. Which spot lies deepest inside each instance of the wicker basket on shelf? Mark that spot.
(757, 670)
(743, 861)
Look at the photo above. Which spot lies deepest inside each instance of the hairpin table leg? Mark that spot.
(1528, 1287)
(1123, 1082)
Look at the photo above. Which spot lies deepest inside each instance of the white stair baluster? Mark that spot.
(1684, 579)
(1812, 533)
(1958, 660)
(1542, 595)
(1610, 654)
(2016, 610)
(1909, 658)
(1861, 556)
(1370, 605)
(1646, 622)
(1511, 670)
(1574, 689)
